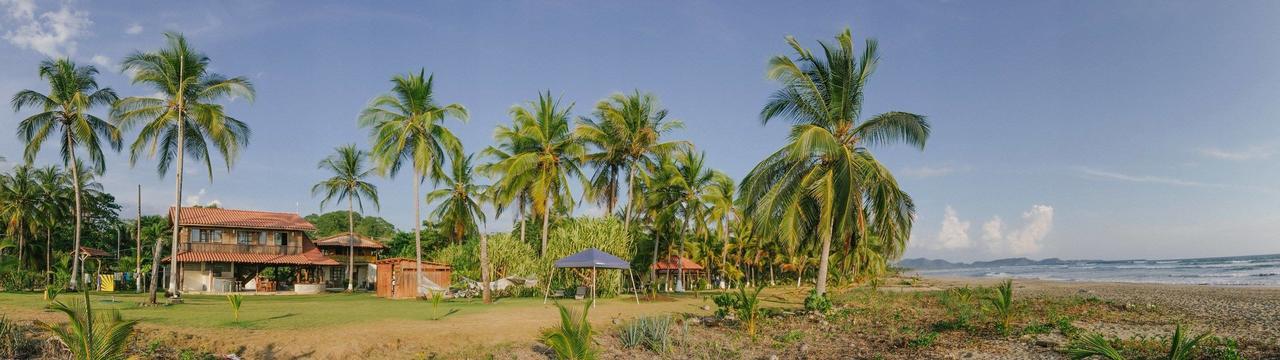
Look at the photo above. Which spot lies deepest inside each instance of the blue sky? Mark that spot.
(1076, 129)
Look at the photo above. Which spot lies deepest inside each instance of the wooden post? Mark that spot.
(593, 286)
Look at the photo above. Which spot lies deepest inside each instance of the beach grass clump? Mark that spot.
(649, 332)
(959, 305)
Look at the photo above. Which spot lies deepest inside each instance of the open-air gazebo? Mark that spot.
(593, 259)
(683, 269)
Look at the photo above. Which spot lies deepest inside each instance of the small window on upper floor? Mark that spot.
(282, 239)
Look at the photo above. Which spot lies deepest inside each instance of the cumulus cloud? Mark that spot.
(194, 200)
(133, 29)
(52, 33)
(1029, 239)
(101, 61)
(954, 233)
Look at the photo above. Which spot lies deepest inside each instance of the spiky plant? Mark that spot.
(1180, 346)
(572, 339)
(1093, 345)
(91, 337)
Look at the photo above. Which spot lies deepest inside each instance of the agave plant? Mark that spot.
(572, 339)
(91, 337)
(1002, 304)
(235, 300)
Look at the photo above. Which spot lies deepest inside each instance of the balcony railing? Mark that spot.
(241, 249)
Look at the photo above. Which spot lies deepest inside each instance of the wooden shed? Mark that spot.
(396, 280)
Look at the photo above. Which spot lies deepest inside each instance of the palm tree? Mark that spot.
(693, 181)
(540, 154)
(407, 125)
(626, 134)
(460, 209)
(348, 165)
(185, 119)
(55, 199)
(73, 92)
(721, 210)
(825, 180)
(19, 210)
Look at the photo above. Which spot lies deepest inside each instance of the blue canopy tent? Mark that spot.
(593, 259)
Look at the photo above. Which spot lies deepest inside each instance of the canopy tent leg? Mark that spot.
(593, 286)
(632, 276)
(546, 294)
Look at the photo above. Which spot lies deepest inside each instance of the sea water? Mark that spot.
(1258, 270)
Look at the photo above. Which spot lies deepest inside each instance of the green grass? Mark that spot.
(267, 312)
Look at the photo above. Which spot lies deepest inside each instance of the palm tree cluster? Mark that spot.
(36, 209)
(821, 202)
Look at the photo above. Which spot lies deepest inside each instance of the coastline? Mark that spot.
(1250, 313)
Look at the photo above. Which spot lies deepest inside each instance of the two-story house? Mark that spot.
(225, 250)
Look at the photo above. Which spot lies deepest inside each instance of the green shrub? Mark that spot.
(14, 281)
(572, 339)
(651, 332)
(790, 337)
(924, 340)
(748, 308)
(817, 303)
(726, 304)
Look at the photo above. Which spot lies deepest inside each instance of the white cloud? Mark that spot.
(954, 233)
(133, 29)
(1257, 152)
(52, 33)
(101, 61)
(194, 200)
(1037, 223)
(929, 171)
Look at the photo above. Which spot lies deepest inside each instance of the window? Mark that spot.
(196, 236)
(282, 239)
(205, 236)
(246, 237)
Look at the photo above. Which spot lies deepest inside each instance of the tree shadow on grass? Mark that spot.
(253, 324)
(271, 352)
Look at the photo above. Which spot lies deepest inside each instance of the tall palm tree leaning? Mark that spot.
(626, 134)
(407, 125)
(73, 92)
(348, 165)
(540, 153)
(460, 209)
(825, 176)
(184, 120)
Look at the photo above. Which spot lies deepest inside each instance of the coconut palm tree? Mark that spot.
(55, 201)
(64, 112)
(540, 154)
(692, 182)
(407, 126)
(349, 167)
(184, 119)
(460, 209)
(625, 134)
(721, 210)
(19, 210)
(825, 181)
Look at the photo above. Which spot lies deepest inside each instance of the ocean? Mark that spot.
(1258, 270)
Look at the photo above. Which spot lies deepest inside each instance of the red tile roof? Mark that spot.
(309, 257)
(340, 239)
(671, 264)
(242, 219)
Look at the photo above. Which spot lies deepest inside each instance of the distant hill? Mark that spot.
(928, 264)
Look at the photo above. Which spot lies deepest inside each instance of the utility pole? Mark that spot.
(137, 251)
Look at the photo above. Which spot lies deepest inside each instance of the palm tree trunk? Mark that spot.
(351, 245)
(631, 199)
(680, 253)
(155, 269)
(75, 186)
(177, 207)
(522, 221)
(22, 244)
(484, 267)
(48, 255)
(653, 272)
(546, 222)
(417, 230)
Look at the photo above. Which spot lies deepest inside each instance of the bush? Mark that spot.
(817, 303)
(651, 332)
(726, 304)
(14, 281)
(16, 341)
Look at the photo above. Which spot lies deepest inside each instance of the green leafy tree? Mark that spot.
(825, 183)
(19, 207)
(348, 165)
(407, 126)
(185, 118)
(56, 202)
(539, 155)
(64, 112)
(624, 135)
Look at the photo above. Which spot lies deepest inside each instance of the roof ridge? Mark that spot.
(240, 210)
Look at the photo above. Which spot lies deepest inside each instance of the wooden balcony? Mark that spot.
(240, 249)
(359, 258)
